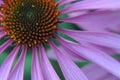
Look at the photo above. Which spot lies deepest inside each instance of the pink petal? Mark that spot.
(51, 55)
(48, 71)
(97, 21)
(2, 34)
(109, 51)
(69, 69)
(36, 73)
(92, 4)
(109, 77)
(62, 2)
(7, 64)
(5, 45)
(93, 54)
(1, 28)
(1, 2)
(1, 14)
(99, 38)
(92, 71)
(18, 71)
(77, 13)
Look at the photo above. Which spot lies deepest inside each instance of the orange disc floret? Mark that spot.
(30, 21)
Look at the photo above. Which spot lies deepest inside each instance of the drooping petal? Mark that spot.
(97, 21)
(47, 69)
(18, 71)
(7, 64)
(36, 73)
(2, 34)
(99, 38)
(69, 69)
(92, 4)
(5, 45)
(93, 54)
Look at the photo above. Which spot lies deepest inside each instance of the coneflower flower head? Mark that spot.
(30, 24)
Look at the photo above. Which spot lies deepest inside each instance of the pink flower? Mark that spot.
(31, 24)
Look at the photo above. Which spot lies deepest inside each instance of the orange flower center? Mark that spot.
(30, 21)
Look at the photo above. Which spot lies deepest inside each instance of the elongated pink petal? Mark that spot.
(47, 69)
(51, 55)
(92, 71)
(62, 2)
(97, 21)
(69, 69)
(99, 38)
(92, 4)
(18, 71)
(2, 34)
(7, 64)
(93, 54)
(109, 51)
(74, 14)
(36, 73)
(5, 45)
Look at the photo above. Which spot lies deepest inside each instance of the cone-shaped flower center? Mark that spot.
(30, 21)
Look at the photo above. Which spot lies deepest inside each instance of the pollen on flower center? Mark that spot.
(30, 21)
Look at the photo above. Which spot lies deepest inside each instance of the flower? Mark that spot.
(31, 24)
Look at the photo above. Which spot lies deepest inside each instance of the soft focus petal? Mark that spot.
(109, 77)
(47, 69)
(99, 38)
(97, 21)
(7, 64)
(18, 71)
(1, 2)
(5, 45)
(62, 2)
(92, 71)
(93, 54)
(1, 28)
(36, 73)
(92, 4)
(69, 69)
(2, 34)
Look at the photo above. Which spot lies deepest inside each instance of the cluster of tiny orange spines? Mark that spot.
(45, 24)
